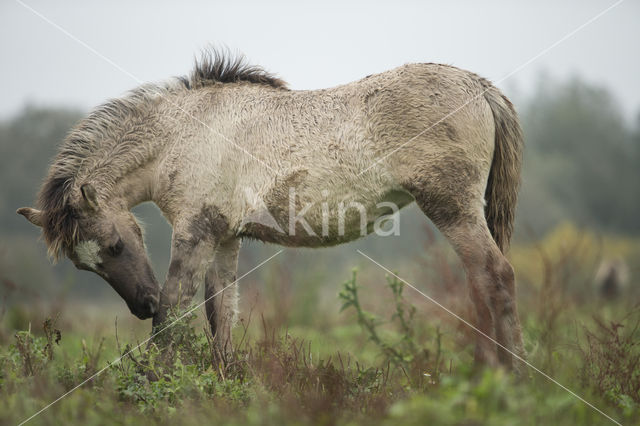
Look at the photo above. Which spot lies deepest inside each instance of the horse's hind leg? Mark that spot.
(221, 294)
(492, 286)
(460, 217)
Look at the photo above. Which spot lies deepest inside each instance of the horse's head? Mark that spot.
(104, 240)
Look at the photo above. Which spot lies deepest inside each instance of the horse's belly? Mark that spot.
(319, 224)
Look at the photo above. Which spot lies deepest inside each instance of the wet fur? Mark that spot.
(170, 144)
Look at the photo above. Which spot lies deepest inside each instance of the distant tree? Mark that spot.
(581, 159)
(27, 143)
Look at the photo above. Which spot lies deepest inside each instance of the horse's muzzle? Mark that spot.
(147, 307)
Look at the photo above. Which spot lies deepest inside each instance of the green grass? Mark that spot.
(402, 366)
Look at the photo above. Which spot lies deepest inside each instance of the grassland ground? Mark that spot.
(386, 357)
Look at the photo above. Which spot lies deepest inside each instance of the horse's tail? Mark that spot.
(501, 194)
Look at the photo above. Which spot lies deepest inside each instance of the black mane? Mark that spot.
(217, 66)
(60, 220)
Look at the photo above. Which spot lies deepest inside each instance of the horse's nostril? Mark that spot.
(152, 304)
(147, 306)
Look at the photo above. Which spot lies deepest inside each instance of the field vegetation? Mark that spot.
(388, 357)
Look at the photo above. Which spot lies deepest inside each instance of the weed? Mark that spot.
(411, 358)
(36, 352)
(611, 357)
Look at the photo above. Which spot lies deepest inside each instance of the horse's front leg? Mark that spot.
(190, 260)
(221, 293)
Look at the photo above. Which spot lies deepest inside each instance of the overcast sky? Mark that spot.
(310, 45)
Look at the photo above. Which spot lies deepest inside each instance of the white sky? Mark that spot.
(310, 45)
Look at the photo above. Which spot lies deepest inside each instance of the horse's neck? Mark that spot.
(139, 186)
(131, 176)
(128, 189)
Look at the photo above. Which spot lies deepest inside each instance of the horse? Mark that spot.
(229, 152)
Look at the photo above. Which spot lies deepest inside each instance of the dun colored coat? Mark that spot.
(230, 152)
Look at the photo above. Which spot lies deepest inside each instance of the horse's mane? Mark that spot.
(59, 219)
(219, 66)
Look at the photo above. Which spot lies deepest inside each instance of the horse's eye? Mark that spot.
(116, 249)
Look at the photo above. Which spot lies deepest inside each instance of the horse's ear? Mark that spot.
(89, 195)
(34, 216)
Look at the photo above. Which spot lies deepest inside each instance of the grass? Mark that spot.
(405, 364)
